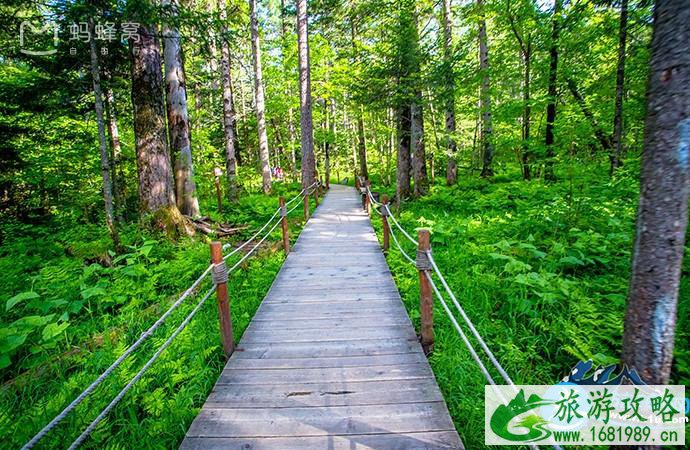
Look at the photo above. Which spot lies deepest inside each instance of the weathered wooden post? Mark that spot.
(357, 186)
(384, 218)
(316, 196)
(284, 225)
(217, 173)
(306, 206)
(367, 200)
(426, 301)
(220, 278)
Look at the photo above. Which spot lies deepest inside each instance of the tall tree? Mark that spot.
(485, 96)
(102, 142)
(617, 150)
(178, 118)
(449, 93)
(306, 120)
(156, 192)
(662, 215)
(361, 137)
(524, 39)
(117, 178)
(549, 174)
(229, 125)
(259, 98)
(421, 182)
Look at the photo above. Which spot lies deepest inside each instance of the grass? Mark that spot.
(104, 303)
(541, 269)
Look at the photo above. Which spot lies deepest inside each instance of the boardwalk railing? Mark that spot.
(427, 267)
(220, 273)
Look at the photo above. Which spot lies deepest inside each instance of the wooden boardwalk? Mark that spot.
(331, 359)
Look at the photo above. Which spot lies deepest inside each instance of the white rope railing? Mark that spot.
(482, 343)
(65, 412)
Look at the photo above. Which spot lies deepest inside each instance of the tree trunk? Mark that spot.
(404, 145)
(156, 192)
(102, 143)
(228, 108)
(549, 174)
(449, 95)
(604, 140)
(306, 121)
(118, 181)
(327, 144)
(291, 145)
(259, 99)
(617, 150)
(527, 114)
(662, 215)
(362, 145)
(178, 118)
(485, 97)
(421, 182)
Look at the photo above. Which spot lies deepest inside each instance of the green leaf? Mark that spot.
(92, 292)
(571, 260)
(5, 360)
(53, 329)
(19, 298)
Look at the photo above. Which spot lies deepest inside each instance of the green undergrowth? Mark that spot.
(541, 269)
(70, 307)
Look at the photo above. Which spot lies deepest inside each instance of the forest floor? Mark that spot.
(542, 270)
(75, 308)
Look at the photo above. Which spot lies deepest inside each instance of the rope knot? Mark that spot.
(283, 211)
(423, 262)
(220, 273)
(384, 210)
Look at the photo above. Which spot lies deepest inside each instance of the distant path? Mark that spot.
(331, 359)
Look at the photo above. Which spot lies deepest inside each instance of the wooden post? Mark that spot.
(426, 301)
(217, 173)
(316, 196)
(384, 218)
(357, 186)
(284, 226)
(223, 303)
(306, 206)
(367, 200)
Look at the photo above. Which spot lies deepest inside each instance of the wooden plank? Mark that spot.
(401, 441)
(324, 362)
(340, 420)
(325, 349)
(361, 322)
(330, 334)
(330, 374)
(322, 394)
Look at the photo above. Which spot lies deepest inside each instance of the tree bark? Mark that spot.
(485, 97)
(526, 52)
(291, 144)
(118, 181)
(421, 182)
(549, 174)
(361, 139)
(449, 94)
(156, 192)
(306, 120)
(662, 216)
(102, 143)
(259, 99)
(404, 144)
(228, 108)
(178, 118)
(617, 150)
(602, 137)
